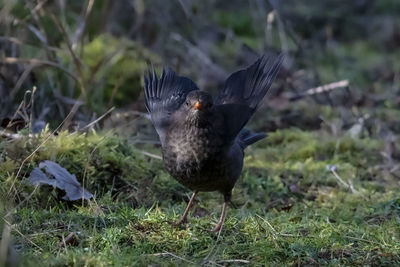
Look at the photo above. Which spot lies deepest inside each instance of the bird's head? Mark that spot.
(197, 105)
(198, 101)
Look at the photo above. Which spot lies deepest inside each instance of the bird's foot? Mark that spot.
(183, 219)
(216, 228)
(221, 220)
(180, 222)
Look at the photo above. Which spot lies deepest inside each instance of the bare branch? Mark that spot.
(19, 232)
(97, 120)
(332, 169)
(154, 156)
(36, 62)
(77, 62)
(233, 261)
(19, 42)
(78, 36)
(317, 90)
(200, 55)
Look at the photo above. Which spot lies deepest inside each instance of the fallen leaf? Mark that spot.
(59, 177)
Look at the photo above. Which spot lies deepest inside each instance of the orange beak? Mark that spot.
(197, 105)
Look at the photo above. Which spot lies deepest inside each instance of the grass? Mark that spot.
(290, 208)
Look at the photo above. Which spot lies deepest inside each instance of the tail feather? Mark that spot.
(247, 138)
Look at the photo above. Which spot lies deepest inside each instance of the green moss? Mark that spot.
(290, 207)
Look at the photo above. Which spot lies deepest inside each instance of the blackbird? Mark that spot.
(202, 140)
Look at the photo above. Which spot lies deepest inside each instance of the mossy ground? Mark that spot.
(289, 207)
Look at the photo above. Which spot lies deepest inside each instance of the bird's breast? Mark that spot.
(191, 154)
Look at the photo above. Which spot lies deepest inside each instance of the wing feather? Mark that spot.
(249, 86)
(164, 96)
(244, 90)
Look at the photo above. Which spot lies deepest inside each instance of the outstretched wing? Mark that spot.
(164, 96)
(244, 90)
(249, 86)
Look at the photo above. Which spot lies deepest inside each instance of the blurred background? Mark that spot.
(74, 60)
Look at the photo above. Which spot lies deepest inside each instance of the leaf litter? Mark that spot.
(59, 177)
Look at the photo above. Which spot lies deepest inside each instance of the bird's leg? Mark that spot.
(189, 205)
(221, 220)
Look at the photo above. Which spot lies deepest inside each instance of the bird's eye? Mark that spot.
(187, 103)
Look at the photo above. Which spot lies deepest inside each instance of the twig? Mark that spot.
(339, 178)
(332, 169)
(268, 27)
(285, 26)
(22, 202)
(282, 35)
(63, 243)
(32, 105)
(78, 36)
(266, 221)
(364, 240)
(23, 112)
(320, 89)
(39, 6)
(36, 62)
(273, 229)
(184, 8)
(199, 54)
(37, 33)
(233, 261)
(115, 90)
(46, 232)
(23, 236)
(72, 112)
(41, 32)
(19, 42)
(97, 120)
(154, 156)
(170, 254)
(273, 232)
(77, 62)
(132, 112)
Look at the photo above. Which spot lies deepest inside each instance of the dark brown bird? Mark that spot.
(202, 140)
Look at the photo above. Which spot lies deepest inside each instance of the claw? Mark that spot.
(180, 222)
(183, 220)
